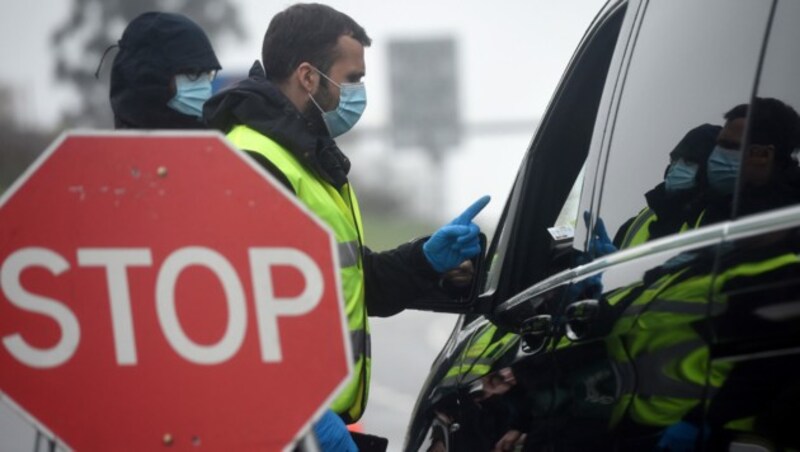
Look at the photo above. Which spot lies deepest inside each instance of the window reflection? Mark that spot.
(771, 124)
(676, 202)
(676, 90)
(768, 176)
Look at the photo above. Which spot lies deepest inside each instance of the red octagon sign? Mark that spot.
(159, 293)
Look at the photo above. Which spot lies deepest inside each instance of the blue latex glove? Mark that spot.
(332, 434)
(456, 241)
(679, 437)
(599, 243)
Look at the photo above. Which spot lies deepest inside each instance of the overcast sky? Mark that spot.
(511, 53)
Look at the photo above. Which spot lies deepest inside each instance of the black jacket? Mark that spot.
(395, 279)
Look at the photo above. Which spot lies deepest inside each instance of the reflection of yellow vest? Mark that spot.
(669, 358)
(339, 210)
(673, 366)
(639, 231)
(480, 355)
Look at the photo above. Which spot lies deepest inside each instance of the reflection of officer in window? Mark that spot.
(770, 178)
(669, 203)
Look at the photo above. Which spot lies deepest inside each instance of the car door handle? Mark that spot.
(579, 317)
(535, 332)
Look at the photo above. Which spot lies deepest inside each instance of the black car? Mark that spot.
(594, 322)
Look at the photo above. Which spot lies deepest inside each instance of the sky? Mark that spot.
(510, 57)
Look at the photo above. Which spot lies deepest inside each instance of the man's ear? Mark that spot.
(307, 77)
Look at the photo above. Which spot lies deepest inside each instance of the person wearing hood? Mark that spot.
(287, 115)
(673, 202)
(162, 74)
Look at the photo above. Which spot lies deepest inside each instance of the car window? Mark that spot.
(567, 218)
(548, 181)
(500, 242)
(765, 186)
(780, 73)
(691, 63)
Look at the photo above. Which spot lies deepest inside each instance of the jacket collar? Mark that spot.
(259, 104)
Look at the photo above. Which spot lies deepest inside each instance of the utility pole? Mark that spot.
(425, 107)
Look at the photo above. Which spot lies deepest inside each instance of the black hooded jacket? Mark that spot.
(394, 280)
(672, 210)
(154, 47)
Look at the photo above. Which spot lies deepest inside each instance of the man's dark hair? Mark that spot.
(773, 123)
(306, 32)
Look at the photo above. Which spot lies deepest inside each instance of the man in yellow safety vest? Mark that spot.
(286, 116)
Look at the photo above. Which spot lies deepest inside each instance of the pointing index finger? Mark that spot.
(472, 211)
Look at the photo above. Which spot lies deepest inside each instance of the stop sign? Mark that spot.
(159, 290)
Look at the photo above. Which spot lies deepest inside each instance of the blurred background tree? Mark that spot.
(21, 145)
(94, 25)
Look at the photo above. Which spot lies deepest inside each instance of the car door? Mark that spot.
(481, 390)
(630, 341)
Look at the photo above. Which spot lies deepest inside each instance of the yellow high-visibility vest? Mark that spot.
(339, 210)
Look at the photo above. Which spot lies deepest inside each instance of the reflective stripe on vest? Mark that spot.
(339, 210)
(349, 253)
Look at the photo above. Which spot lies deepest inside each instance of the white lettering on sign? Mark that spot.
(116, 261)
(70, 329)
(268, 306)
(168, 316)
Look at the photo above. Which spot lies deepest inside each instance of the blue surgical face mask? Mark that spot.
(723, 169)
(680, 176)
(190, 95)
(352, 103)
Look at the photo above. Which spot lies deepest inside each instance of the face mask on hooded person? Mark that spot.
(352, 103)
(683, 173)
(681, 176)
(191, 92)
